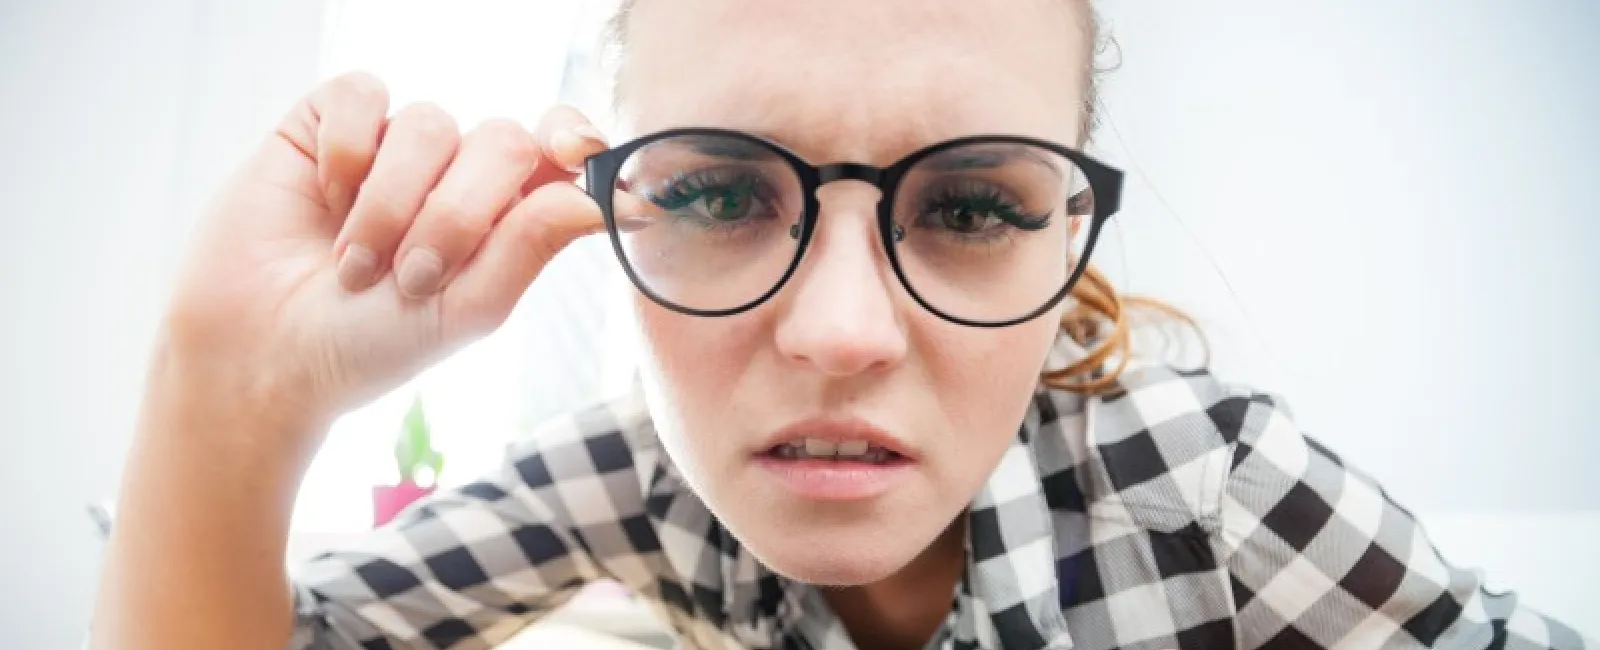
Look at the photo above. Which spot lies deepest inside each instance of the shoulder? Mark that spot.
(594, 459)
(1158, 448)
(597, 473)
(597, 438)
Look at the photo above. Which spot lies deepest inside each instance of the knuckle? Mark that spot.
(560, 116)
(451, 213)
(359, 86)
(537, 236)
(428, 121)
(383, 214)
(509, 139)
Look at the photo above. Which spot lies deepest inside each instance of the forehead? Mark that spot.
(859, 80)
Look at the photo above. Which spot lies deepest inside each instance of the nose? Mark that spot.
(840, 314)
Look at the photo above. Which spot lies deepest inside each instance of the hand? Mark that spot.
(353, 249)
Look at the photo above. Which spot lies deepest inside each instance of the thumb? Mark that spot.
(516, 250)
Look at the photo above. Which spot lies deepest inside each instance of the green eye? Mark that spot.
(705, 197)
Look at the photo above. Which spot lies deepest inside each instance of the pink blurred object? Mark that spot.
(389, 500)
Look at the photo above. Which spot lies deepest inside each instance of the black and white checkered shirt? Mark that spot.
(1177, 512)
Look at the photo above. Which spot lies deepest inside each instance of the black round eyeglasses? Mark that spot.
(984, 231)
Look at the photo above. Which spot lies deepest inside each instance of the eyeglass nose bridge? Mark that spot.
(850, 172)
(877, 177)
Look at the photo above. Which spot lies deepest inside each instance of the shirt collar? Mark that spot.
(1009, 593)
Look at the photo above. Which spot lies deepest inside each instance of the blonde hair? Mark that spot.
(1099, 319)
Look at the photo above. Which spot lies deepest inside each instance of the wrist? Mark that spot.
(204, 510)
(223, 406)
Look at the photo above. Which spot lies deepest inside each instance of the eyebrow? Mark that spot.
(706, 145)
(990, 156)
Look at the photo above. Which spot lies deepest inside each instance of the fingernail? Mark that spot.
(588, 132)
(629, 223)
(573, 144)
(356, 267)
(420, 273)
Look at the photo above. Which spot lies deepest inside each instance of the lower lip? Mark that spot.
(828, 480)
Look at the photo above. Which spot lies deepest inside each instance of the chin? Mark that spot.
(825, 559)
(829, 544)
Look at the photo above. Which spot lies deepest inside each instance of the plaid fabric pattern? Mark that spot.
(1178, 512)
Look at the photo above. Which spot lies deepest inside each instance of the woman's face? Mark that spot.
(843, 353)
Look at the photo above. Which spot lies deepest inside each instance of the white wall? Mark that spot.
(1402, 195)
(116, 120)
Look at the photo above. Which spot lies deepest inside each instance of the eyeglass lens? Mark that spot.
(985, 231)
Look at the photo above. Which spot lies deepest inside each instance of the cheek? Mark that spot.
(695, 356)
(690, 367)
(983, 378)
(1009, 355)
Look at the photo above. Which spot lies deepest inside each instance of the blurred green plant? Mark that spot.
(414, 451)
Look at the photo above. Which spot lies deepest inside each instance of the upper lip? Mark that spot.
(836, 430)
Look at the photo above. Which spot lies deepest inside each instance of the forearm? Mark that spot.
(196, 559)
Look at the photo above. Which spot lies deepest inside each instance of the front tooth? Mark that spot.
(852, 448)
(817, 448)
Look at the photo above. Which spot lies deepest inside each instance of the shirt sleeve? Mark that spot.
(467, 568)
(1321, 557)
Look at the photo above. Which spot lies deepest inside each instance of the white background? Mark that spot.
(1382, 209)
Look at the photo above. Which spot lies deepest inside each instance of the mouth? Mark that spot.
(842, 452)
(835, 460)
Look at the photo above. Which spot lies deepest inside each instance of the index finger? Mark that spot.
(565, 138)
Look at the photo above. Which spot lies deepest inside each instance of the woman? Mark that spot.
(850, 427)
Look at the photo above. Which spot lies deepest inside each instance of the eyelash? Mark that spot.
(995, 206)
(997, 210)
(684, 189)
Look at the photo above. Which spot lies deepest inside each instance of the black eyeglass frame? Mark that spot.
(601, 170)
